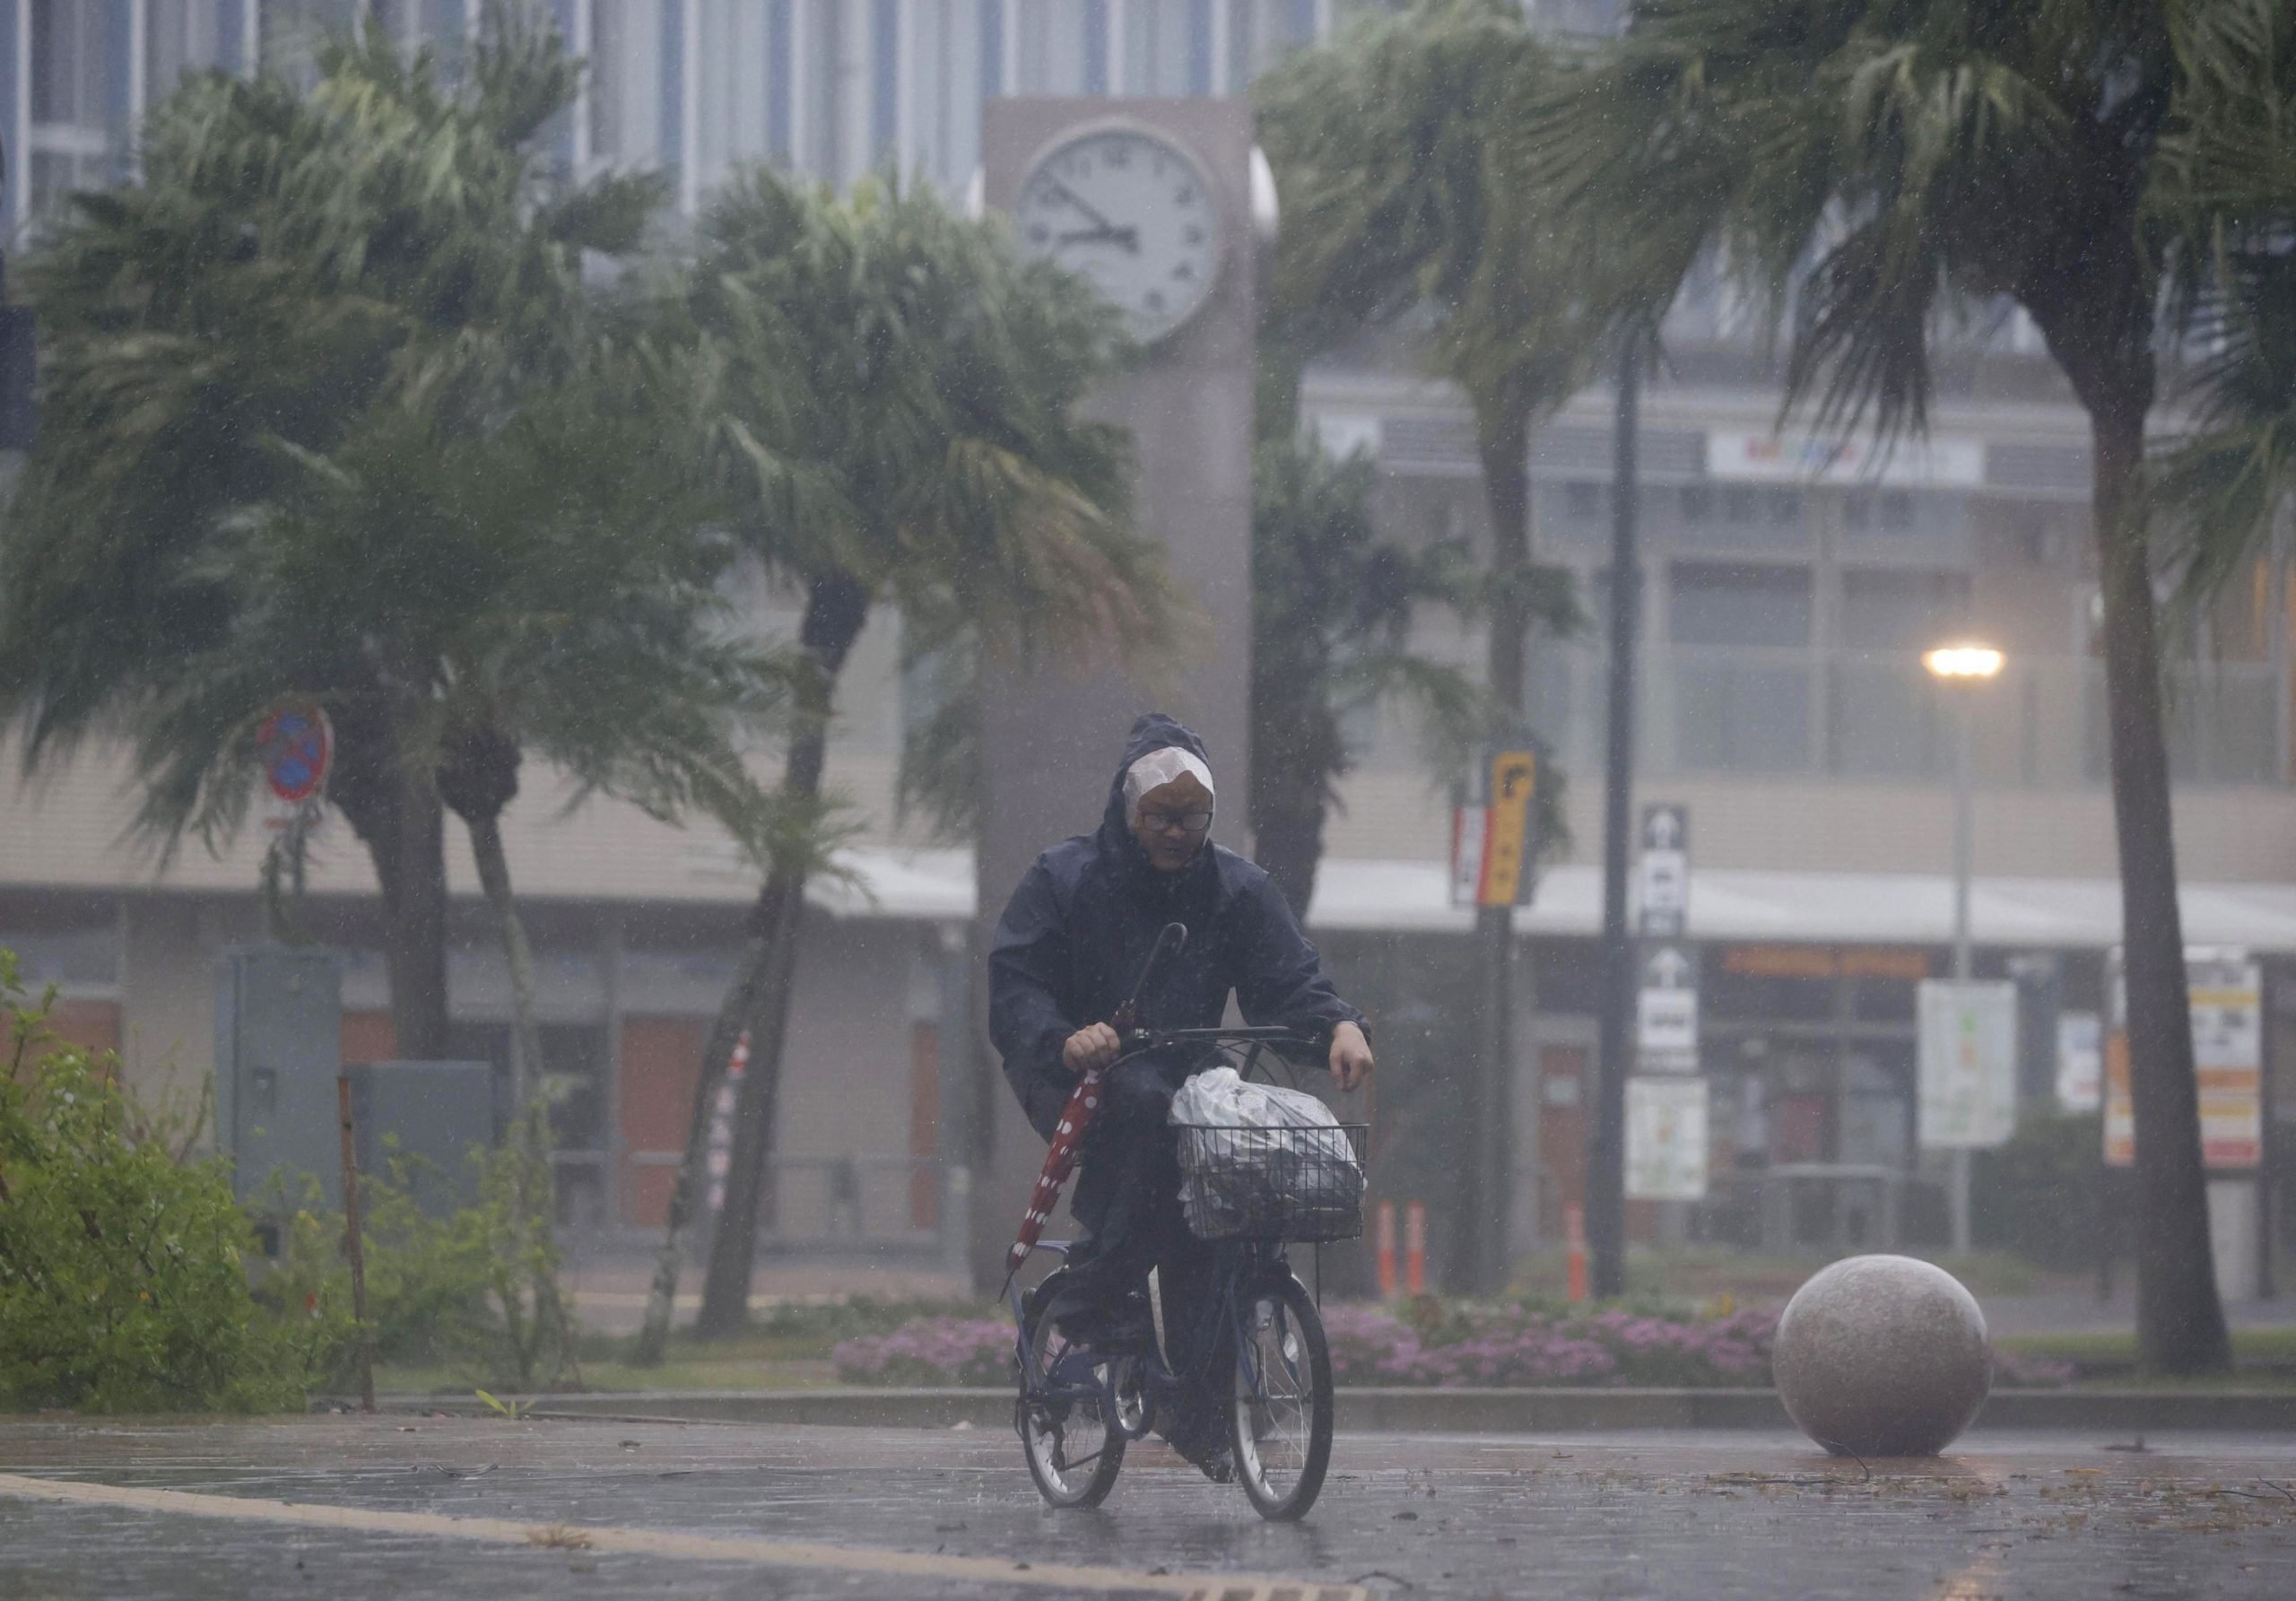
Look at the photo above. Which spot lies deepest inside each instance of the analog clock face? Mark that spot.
(1134, 216)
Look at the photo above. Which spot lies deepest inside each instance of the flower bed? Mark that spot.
(1435, 1345)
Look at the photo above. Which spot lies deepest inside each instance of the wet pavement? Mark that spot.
(904, 1514)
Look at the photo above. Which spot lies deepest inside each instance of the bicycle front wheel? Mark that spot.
(1073, 1452)
(1282, 1416)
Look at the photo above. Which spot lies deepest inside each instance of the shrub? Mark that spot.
(474, 1292)
(123, 1284)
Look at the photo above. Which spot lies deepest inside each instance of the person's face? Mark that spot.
(1172, 820)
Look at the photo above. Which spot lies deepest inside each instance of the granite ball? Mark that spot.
(1882, 1356)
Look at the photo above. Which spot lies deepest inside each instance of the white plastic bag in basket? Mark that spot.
(1234, 1190)
(1221, 1099)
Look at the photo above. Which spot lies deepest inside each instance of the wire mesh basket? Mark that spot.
(1301, 1185)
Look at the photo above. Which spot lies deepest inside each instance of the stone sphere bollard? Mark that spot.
(1882, 1356)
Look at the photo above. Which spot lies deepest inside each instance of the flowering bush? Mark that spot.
(1435, 1343)
(1518, 1346)
(975, 1350)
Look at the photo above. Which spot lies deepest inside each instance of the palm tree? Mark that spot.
(1385, 147)
(1332, 607)
(288, 263)
(899, 422)
(1871, 165)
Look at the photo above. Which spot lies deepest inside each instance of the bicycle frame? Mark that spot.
(1242, 1267)
(1086, 1374)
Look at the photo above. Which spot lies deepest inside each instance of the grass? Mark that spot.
(2103, 1350)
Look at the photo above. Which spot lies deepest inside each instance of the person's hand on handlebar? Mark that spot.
(1351, 1056)
(1095, 1045)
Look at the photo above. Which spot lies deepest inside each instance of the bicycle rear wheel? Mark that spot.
(1281, 1419)
(1073, 1452)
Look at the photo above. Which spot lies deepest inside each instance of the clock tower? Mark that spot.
(1153, 203)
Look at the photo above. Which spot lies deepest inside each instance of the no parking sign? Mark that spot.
(296, 746)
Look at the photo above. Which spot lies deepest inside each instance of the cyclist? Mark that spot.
(1072, 941)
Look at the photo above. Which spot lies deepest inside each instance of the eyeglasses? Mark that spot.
(1158, 821)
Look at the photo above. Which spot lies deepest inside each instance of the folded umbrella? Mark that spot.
(1083, 1102)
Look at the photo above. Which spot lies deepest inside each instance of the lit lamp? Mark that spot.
(1968, 666)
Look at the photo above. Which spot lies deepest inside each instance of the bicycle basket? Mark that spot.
(1303, 1185)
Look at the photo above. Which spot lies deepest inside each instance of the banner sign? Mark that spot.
(2226, 991)
(1491, 842)
(2079, 1061)
(1968, 1046)
(1666, 1139)
(1936, 462)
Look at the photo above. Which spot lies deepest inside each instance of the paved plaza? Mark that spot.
(344, 1507)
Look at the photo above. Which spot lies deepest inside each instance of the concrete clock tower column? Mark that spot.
(1151, 200)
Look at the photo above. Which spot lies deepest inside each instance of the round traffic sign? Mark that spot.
(296, 746)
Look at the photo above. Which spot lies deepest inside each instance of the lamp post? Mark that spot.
(1962, 668)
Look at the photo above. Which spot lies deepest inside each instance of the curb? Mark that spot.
(1414, 1411)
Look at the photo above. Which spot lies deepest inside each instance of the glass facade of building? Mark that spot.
(830, 88)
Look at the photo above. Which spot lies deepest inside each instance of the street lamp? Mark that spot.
(1965, 667)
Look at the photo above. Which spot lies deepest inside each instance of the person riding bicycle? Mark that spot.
(1071, 943)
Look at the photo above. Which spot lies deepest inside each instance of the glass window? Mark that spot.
(1736, 604)
(71, 46)
(180, 37)
(736, 113)
(1053, 45)
(627, 64)
(1902, 612)
(1158, 46)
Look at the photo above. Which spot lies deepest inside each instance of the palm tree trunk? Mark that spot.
(1288, 825)
(835, 608)
(1504, 444)
(414, 910)
(526, 1033)
(2179, 1316)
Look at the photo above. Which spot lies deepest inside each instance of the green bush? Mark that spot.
(475, 1292)
(123, 1284)
(2037, 1194)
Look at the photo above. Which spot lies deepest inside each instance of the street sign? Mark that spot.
(1490, 841)
(1666, 1010)
(2079, 1061)
(1666, 1139)
(1665, 909)
(295, 745)
(2226, 992)
(1968, 1046)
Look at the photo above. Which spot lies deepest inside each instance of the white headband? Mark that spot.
(1159, 768)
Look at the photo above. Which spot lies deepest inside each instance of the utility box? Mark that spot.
(427, 1116)
(278, 1049)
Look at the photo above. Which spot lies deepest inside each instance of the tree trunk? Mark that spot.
(1288, 825)
(526, 1033)
(478, 779)
(1485, 1169)
(2179, 1316)
(835, 608)
(396, 815)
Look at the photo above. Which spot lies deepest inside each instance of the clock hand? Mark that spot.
(1098, 217)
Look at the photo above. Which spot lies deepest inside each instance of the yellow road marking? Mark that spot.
(721, 1548)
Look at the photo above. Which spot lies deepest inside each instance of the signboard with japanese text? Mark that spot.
(1665, 1011)
(2226, 990)
(1968, 1053)
(1938, 461)
(1491, 838)
(1665, 903)
(1666, 1139)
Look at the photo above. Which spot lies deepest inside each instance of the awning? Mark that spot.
(1354, 894)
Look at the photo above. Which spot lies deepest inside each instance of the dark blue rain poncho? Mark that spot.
(1079, 929)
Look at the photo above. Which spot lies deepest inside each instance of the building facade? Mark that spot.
(1789, 594)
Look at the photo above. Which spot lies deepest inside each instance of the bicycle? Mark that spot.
(1079, 1405)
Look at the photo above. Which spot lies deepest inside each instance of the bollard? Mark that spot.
(1387, 1227)
(1414, 1248)
(1574, 1235)
(354, 1247)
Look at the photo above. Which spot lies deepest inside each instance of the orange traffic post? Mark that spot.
(1574, 1236)
(1414, 1248)
(1386, 1235)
